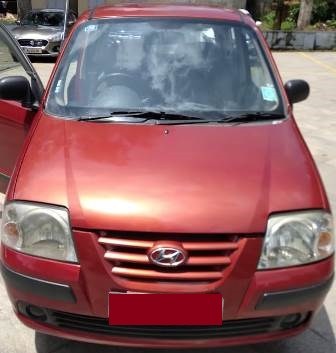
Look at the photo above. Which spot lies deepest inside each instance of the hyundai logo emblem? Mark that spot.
(167, 256)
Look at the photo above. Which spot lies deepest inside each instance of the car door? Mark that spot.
(15, 120)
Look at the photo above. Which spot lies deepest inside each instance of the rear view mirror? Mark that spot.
(297, 91)
(16, 88)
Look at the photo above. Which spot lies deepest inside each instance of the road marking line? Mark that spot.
(318, 62)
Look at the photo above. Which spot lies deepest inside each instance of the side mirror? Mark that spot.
(17, 88)
(18, 22)
(297, 90)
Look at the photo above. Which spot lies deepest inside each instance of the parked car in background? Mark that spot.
(163, 158)
(40, 32)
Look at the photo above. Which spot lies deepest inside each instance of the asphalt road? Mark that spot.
(317, 120)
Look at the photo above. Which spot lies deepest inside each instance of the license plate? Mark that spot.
(32, 50)
(165, 309)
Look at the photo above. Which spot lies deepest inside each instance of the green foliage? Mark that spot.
(321, 11)
(331, 24)
(268, 20)
(288, 26)
(323, 17)
(293, 13)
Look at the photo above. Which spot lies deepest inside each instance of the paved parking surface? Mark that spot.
(317, 120)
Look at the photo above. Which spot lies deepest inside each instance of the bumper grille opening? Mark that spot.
(232, 328)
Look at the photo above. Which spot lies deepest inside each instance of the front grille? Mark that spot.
(208, 256)
(234, 328)
(33, 42)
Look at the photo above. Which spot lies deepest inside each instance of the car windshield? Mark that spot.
(193, 67)
(43, 18)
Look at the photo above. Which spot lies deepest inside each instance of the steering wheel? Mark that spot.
(118, 79)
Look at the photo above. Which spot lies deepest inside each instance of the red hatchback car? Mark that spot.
(163, 158)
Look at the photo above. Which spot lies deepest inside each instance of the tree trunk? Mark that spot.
(23, 7)
(279, 14)
(253, 7)
(306, 9)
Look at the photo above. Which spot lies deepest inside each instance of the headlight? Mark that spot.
(298, 238)
(57, 37)
(39, 230)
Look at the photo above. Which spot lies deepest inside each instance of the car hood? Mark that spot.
(190, 178)
(35, 32)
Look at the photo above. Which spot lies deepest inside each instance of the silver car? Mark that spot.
(40, 33)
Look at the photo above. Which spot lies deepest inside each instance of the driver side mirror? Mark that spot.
(297, 90)
(17, 88)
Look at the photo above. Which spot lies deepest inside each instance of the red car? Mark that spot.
(163, 158)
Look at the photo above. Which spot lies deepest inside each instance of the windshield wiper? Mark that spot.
(248, 117)
(167, 118)
(236, 119)
(141, 116)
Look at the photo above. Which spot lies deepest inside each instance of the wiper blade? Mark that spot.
(227, 119)
(248, 117)
(145, 115)
(122, 114)
(172, 118)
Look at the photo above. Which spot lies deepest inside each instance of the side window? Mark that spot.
(9, 65)
(260, 74)
(69, 91)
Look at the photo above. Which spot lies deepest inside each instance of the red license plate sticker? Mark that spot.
(165, 309)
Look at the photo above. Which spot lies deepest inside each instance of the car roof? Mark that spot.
(169, 10)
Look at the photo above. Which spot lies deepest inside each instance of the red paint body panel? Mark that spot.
(14, 124)
(187, 181)
(157, 10)
(92, 282)
(196, 180)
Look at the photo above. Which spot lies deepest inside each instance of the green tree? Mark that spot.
(279, 13)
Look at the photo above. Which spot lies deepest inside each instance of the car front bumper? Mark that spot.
(73, 300)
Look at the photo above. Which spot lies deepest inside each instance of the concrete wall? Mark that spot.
(301, 40)
(57, 4)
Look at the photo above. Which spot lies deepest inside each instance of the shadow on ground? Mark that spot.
(320, 338)
(43, 59)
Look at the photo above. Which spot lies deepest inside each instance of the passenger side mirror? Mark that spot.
(18, 22)
(17, 88)
(297, 91)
